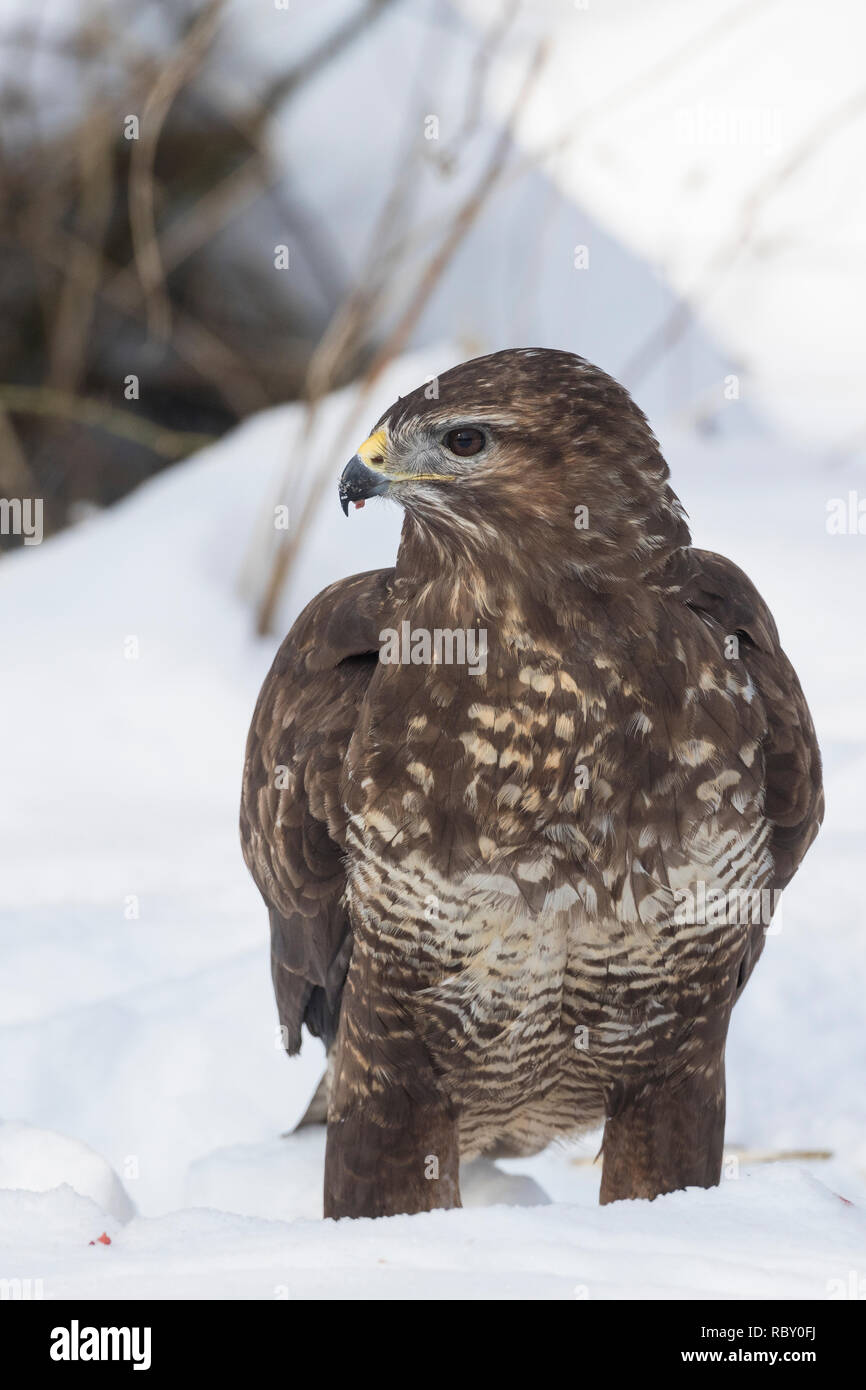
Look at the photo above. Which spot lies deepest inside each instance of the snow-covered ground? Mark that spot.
(142, 1083)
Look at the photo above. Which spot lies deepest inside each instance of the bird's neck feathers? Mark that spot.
(471, 568)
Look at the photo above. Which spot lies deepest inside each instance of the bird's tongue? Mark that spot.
(359, 505)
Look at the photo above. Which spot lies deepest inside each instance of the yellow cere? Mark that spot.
(372, 451)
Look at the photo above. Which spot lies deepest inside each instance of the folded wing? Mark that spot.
(292, 817)
(794, 797)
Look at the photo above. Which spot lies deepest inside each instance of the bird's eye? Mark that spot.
(464, 442)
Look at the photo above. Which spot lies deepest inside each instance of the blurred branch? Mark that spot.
(111, 247)
(16, 480)
(75, 301)
(482, 62)
(215, 208)
(192, 341)
(43, 400)
(142, 216)
(457, 229)
(210, 213)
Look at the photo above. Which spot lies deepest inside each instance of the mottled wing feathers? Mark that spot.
(292, 817)
(794, 799)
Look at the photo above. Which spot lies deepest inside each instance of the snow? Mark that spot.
(38, 1160)
(716, 141)
(136, 1016)
(777, 1233)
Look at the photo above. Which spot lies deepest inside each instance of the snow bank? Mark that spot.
(38, 1160)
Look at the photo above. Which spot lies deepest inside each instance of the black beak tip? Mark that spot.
(358, 482)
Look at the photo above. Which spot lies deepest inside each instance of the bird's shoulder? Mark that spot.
(713, 585)
(341, 622)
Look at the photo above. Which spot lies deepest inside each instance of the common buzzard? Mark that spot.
(521, 806)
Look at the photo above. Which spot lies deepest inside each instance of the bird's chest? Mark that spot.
(469, 764)
(517, 842)
(467, 860)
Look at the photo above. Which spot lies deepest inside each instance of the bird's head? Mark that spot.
(526, 459)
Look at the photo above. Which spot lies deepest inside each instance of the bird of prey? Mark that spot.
(521, 806)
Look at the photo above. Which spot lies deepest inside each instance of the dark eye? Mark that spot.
(464, 442)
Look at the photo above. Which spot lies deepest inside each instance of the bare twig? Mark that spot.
(482, 62)
(67, 357)
(743, 1155)
(142, 216)
(212, 358)
(43, 400)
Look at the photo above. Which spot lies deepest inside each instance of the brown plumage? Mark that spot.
(488, 881)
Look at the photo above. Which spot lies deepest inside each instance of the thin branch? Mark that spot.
(42, 400)
(212, 358)
(75, 302)
(744, 1156)
(142, 217)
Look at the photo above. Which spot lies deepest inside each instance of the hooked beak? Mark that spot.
(367, 474)
(363, 475)
(358, 482)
